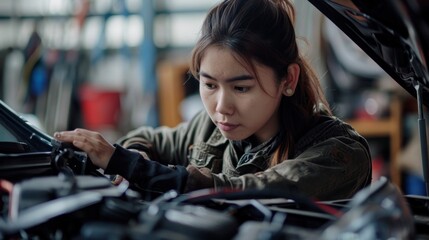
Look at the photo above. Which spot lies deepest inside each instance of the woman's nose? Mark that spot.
(224, 104)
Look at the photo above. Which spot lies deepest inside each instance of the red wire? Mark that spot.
(328, 209)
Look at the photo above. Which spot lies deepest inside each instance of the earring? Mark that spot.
(289, 92)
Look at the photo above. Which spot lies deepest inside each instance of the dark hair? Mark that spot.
(262, 30)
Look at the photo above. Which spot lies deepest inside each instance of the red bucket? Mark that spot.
(100, 107)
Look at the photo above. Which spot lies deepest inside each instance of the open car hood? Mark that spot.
(394, 33)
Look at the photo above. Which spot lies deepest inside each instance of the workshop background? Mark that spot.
(114, 65)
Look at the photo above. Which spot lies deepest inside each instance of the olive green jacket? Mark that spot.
(330, 161)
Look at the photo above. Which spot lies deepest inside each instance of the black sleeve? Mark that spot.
(146, 174)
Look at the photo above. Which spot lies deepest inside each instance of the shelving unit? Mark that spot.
(171, 76)
(390, 127)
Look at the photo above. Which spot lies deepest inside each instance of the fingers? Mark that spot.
(81, 138)
(93, 143)
(71, 136)
(77, 134)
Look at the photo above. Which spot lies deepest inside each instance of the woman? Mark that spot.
(266, 121)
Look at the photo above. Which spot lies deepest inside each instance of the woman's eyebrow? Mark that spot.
(233, 79)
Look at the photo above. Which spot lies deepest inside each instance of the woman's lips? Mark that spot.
(227, 126)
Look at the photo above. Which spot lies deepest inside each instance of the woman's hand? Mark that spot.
(98, 149)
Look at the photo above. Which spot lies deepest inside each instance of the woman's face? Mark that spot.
(235, 101)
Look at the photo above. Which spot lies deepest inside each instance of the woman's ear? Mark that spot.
(291, 79)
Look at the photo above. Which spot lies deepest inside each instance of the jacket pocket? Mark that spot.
(204, 155)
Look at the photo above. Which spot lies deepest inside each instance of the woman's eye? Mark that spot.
(242, 89)
(209, 85)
